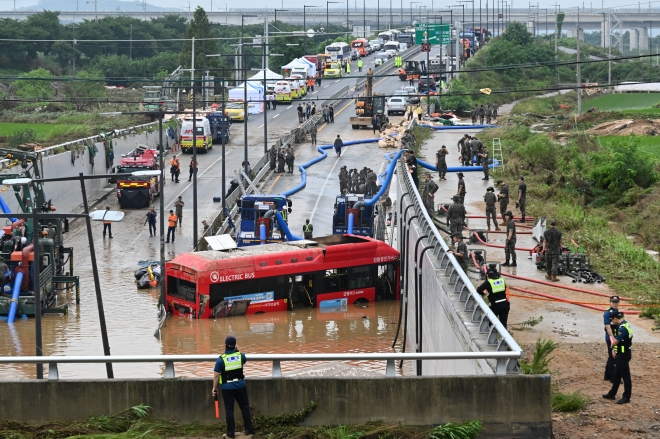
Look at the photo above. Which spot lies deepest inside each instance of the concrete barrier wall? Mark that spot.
(66, 195)
(509, 406)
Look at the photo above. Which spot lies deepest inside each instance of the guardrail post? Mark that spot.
(53, 374)
(169, 369)
(277, 369)
(390, 370)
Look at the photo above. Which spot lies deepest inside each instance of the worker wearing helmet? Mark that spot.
(497, 294)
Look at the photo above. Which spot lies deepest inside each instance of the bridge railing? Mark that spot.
(480, 313)
(276, 359)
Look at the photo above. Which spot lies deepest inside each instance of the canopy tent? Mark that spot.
(270, 76)
(301, 63)
(255, 92)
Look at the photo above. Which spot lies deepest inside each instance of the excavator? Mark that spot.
(16, 244)
(369, 105)
(410, 70)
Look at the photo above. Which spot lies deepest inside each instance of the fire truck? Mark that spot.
(136, 192)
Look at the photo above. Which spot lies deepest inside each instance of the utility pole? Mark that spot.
(130, 47)
(579, 77)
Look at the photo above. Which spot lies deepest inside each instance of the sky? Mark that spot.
(219, 5)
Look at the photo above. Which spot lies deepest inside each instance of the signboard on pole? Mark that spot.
(437, 33)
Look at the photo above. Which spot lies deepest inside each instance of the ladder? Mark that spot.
(497, 151)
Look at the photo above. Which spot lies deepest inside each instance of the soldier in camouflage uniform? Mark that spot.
(491, 210)
(280, 160)
(510, 244)
(272, 155)
(456, 216)
(430, 188)
(354, 181)
(289, 158)
(552, 247)
(503, 197)
(459, 251)
(461, 188)
(343, 180)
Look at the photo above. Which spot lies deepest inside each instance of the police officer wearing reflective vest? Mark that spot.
(228, 372)
(497, 296)
(621, 351)
(610, 332)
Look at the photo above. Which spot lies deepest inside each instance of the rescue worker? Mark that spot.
(482, 114)
(5, 275)
(462, 148)
(107, 225)
(289, 158)
(622, 353)
(313, 131)
(308, 229)
(409, 112)
(420, 112)
(310, 84)
(228, 372)
(151, 219)
(372, 187)
(461, 188)
(174, 164)
(489, 113)
(338, 145)
(552, 249)
(522, 198)
(171, 226)
(510, 244)
(473, 115)
(192, 169)
(610, 332)
(441, 162)
(430, 189)
(343, 179)
(459, 251)
(503, 197)
(456, 216)
(280, 160)
(491, 210)
(359, 65)
(348, 67)
(272, 155)
(497, 294)
(476, 146)
(178, 205)
(483, 155)
(494, 109)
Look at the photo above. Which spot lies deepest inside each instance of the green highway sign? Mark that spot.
(433, 32)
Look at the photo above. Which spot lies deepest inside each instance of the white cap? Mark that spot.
(23, 240)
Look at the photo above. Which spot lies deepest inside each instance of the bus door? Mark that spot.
(387, 281)
(302, 291)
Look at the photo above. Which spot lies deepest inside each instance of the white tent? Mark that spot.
(301, 62)
(255, 92)
(270, 76)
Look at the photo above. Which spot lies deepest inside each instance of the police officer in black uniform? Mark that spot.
(496, 289)
(610, 332)
(228, 372)
(621, 351)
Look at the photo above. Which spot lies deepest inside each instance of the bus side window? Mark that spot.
(335, 280)
(360, 277)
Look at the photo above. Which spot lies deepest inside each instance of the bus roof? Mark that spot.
(327, 252)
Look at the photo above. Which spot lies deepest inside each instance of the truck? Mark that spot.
(163, 97)
(363, 216)
(136, 192)
(369, 105)
(410, 70)
(257, 210)
(56, 272)
(219, 124)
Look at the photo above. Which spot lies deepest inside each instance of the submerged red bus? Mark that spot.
(332, 271)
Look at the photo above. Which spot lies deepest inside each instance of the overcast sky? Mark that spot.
(219, 5)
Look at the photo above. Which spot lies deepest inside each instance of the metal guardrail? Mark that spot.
(488, 322)
(276, 359)
(406, 55)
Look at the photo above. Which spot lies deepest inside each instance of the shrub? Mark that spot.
(540, 358)
(568, 402)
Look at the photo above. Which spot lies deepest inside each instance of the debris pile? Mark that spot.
(627, 127)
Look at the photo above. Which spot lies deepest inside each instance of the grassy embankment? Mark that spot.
(604, 195)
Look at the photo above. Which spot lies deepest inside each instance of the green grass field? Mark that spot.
(650, 144)
(623, 101)
(44, 130)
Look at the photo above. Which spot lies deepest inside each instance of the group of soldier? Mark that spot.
(352, 181)
(408, 140)
(280, 157)
(488, 112)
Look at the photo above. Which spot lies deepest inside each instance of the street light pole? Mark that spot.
(411, 14)
(327, 15)
(305, 27)
(279, 10)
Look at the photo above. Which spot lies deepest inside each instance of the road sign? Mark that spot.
(437, 33)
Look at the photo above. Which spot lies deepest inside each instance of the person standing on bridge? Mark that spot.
(228, 372)
(497, 294)
(324, 113)
(360, 65)
(272, 155)
(339, 144)
(308, 229)
(300, 113)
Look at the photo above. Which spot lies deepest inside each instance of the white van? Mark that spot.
(282, 91)
(391, 45)
(296, 91)
(203, 138)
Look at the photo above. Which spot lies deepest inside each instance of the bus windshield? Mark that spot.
(333, 48)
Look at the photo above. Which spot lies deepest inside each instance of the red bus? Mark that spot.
(360, 45)
(330, 272)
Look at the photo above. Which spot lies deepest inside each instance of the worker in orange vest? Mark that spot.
(171, 225)
(310, 84)
(107, 225)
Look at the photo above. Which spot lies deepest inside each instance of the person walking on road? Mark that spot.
(494, 109)
(420, 112)
(489, 113)
(482, 114)
(312, 132)
(339, 144)
(228, 372)
(441, 162)
(192, 169)
(178, 205)
(308, 229)
(522, 197)
(348, 67)
(497, 294)
(622, 353)
(151, 219)
(171, 226)
(552, 249)
(374, 124)
(510, 243)
(107, 225)
(610, 332)
(491, 210)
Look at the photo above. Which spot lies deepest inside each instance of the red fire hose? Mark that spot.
(499, 246)
(561, 299)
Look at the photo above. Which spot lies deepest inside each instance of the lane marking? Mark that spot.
(276, 116)
(270, 189)
(289, 106)
(327, 86)
(260, 126)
